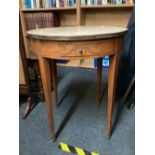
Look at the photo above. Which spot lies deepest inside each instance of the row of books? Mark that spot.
(41, 20)
(105, 2)
(31, 4)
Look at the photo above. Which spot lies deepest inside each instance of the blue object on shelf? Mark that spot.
(29, 4)
(105, 63)
(71, 3)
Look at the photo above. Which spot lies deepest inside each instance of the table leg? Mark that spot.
(46, 81)
(54, 72)
(51, 68)
(111, 91)
(99, 77)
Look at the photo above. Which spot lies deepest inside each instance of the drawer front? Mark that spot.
(53, 49)
(86, 49)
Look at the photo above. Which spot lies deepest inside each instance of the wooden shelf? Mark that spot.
(48, 9)
(83, 7)
(108, 6)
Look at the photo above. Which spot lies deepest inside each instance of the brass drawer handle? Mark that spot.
(80, 51)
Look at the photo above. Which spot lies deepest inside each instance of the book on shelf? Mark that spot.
(105, 2)
(28, 4)
(83, 2)
(53, 3)
(32, 4)
(41, 20)
(57, 4)
(66, 3)
(24, 4)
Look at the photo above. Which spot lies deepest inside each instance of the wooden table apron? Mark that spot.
(70, 50)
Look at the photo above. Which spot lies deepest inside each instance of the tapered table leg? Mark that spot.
(113, 68)
(55, 83)
(51, 68)
(46, 81)
(99, 77)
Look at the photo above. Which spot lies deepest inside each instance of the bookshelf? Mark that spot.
(110, 14)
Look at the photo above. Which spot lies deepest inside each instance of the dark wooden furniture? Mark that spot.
(72, 43)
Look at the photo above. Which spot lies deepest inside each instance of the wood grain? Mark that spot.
(112, 78)
(55, 83)
(72, 50)
(46, 81)
(106, 17)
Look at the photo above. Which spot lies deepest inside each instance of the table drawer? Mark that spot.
(73, 49)
(86, 49)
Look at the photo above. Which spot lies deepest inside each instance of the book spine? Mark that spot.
(32, 4)
(109, 1)
(50, 19)
(74, 2)
(119, 1)
(51, 3)
(29, 4)
(89, 2)
(65, 3)
(98, 2)
(43, 3)
(26, 21)
(114, 1)
(57, 4)
(83, 2)
(71, 3)
(61, 3)
(40, 20)
(104, 2)
(37, 3)
(95, 2)
(24, 3)
(45, 19)
(47, 3)
(127, 1)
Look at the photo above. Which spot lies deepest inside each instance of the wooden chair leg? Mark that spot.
(46, 81)
(99, 77)
(113, 68)
(54, 80)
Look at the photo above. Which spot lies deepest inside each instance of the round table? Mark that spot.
(77, 42)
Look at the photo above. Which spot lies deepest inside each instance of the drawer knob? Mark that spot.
(81, 51)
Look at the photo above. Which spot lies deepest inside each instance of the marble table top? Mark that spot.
(77, 33)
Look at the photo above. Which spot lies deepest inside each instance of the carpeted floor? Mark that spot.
(85, 121)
